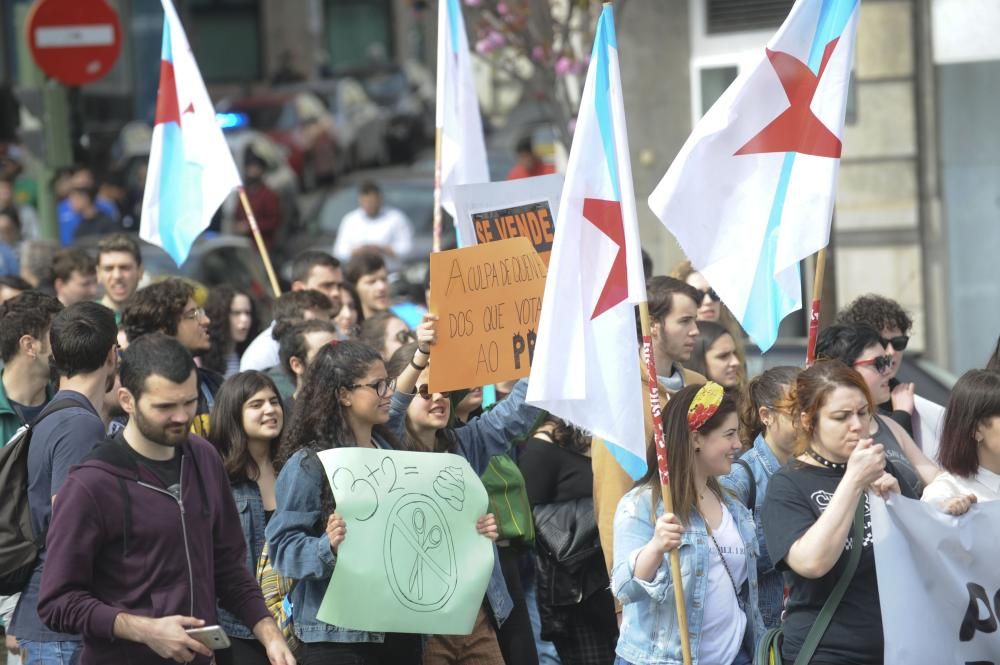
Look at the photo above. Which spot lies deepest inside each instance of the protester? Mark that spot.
(860, 347)
(385, 332)
(119, 270)
(366, 272)
(373, 226)
(169, 307)
(299, 342)
(574, 600)
(84, 353)
(349, 318)
(714, 355)
(70, 219)
(117, 573)
(709, 303)
(11, 286)
(766, 425)
(970, 445)
(25, 321)
(233, 319)
(529, 164)
(673, 328)
(36, 263)
(344, 402)
(712, 531)
(247, 423)
(809, 511)
(264, 202)
(94, 220)
(300, 305)
(74, 276)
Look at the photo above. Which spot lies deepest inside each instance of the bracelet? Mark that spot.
(426, 353)
(417, 367)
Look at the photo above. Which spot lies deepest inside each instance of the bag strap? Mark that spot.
(830, 606)
(753, 486)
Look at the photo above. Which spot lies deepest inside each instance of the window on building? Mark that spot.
(743, 15)
(358, 32)
(225, 38)
(714, 81)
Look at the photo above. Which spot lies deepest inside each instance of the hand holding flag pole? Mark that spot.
(261, 247)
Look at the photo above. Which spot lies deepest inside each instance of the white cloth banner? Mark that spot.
(938, 581)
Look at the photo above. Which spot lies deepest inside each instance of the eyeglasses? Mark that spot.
(424, 391)
(405, 337)
(194, 314)
(898, 343)
(882, 364)
(712, 295)
(382, 387)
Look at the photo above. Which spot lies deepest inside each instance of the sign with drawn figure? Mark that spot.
(938, 582)
(412, 560)
(488, 299)
(526, 207)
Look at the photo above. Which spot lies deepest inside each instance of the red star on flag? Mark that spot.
(797, 129)
(167, 107)
(607, 217)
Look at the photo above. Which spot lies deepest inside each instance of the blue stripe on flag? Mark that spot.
(180, 196)
(603, 40)
(167, 52)
(633, 465)
(454, 11)
(833, 18)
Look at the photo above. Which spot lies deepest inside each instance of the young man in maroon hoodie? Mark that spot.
(144, 533)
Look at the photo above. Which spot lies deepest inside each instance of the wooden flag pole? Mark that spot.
(661, 461)
(814, 309)
(260, 242)
(437, 190)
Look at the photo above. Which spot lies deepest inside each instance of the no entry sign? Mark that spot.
(74, 41)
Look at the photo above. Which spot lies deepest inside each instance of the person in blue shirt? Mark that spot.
(765, 423)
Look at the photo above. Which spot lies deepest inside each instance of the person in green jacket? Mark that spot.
(24, 348)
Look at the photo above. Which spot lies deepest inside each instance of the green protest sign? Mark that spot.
(412, 560)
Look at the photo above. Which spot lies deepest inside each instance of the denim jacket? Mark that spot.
(649, 630)
(478, 441)
(764, 464)
(300, 549)
(250, 506)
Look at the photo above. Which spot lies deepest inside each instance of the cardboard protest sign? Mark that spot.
(488, 299)
(938, 582)
(412, 560)
(516, 208)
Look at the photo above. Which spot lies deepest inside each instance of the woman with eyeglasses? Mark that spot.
(766, 425)
(860, 347)
(385, 332)
(810, 510)
(424, 420)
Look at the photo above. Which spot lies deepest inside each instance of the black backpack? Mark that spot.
(18, 545)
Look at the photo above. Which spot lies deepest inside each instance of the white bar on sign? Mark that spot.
(68, 36)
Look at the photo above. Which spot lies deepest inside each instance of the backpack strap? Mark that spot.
(830, 606)
(753, 486)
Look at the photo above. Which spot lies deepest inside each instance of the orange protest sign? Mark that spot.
(488, 299)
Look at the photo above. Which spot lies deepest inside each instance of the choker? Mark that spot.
(836, 466)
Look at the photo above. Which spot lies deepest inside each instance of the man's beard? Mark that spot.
(159, 434)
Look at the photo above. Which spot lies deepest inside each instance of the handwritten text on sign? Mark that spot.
(488, 299)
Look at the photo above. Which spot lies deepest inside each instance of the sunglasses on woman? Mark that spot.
(712, 295)
(882, 364)
(898, 343)
(424, 391)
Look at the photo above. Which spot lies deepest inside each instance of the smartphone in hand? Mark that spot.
(211, 636)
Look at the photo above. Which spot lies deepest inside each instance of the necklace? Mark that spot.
(836, 466)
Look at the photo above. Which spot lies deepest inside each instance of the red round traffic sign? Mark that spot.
(74, 41)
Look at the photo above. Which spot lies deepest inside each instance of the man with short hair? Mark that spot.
(313, 269)
(373, 226)
(299, 342)
(367, 273)
(169, 307)
(119, 270)
(74, 276)
(673, 327)
(262, 353)
(25, 321)
(145, 535)
(84, 352)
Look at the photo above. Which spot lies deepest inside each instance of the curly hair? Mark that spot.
(876, 311)
(156, 308)
(566, 435)
(29, 313)
(217, 308)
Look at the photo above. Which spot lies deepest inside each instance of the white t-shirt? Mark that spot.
(985, 485)
(262, 354)
(390, 228)
(723, 623)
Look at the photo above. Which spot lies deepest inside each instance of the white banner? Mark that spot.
(938, 581)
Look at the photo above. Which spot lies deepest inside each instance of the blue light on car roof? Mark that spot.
(232, 120)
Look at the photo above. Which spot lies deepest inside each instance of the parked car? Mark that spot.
(299, 121)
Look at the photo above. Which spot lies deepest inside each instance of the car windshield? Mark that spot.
(415, 201)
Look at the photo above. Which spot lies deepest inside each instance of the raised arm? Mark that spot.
(406, 382)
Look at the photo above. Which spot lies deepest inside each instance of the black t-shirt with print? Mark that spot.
(796, 497)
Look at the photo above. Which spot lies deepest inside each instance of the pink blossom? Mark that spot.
(502, 8)
(538, 54)
(563, 65)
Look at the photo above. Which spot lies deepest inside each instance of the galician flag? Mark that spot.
(463, 149)
(751, 193)
(586, 363)
(191, 170)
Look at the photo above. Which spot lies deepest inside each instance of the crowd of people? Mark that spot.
(173, 483)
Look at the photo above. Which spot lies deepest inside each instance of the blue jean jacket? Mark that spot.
(478, 441)
(649, 630)
(250, 506)
(764, 464)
